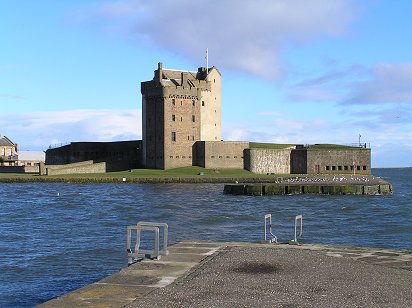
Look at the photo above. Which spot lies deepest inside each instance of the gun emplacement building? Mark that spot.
(181, 126)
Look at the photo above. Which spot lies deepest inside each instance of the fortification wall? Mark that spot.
(339, 161)
(84, 167)
(220, 154)
(129, 152)
(19, 169)
(263, 161)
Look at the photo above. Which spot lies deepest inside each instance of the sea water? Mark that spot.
(58, 237)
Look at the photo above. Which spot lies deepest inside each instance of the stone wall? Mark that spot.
(83, 167)
(19, 169)
(220, 154)
(339, 161)
(129, 152)
(265, 161)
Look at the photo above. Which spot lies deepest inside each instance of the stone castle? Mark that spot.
(181, 126)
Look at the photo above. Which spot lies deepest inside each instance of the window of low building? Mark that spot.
(327, 168)
(364, 167)
(340, 168)
(358, 168)
(346, 168)
(333, 168)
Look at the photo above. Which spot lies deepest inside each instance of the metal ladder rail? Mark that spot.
(139, 254)
(294, 241)
(274, 239)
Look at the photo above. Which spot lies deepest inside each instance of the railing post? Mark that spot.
(295, 239)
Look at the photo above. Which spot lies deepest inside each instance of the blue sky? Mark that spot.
(308, 71)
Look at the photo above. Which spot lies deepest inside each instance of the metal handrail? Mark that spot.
(274, 239)
(140, 254)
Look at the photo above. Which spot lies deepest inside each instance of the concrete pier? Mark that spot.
(314, 184)
(200, 274)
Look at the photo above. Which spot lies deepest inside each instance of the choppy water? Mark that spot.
(58, 237)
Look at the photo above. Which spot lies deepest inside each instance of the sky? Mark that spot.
(300, 72)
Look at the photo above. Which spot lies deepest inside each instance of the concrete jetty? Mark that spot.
(203, 274)
(327, 185)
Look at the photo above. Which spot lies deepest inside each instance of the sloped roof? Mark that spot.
(4, 141)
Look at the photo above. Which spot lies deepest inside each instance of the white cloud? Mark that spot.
(389, 83)
(242, 35)
(36, 131)
(331, 86)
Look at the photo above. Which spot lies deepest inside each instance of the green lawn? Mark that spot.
(178, 172)
(261, 145)
(186, 172)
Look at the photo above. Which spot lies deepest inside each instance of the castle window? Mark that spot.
(220, 156)
(203, 103)
(173, 102)
(188, 137)
(358, 168)
(190, 156)
(227, 156)
(173, 117)
(327, 168)
(214, 80)
(177, 156)
(364, 167)
(170, 156)
(193, 118)
(234, 156)
(346, 168)
(181, 103)
(212, 156)
(333, 168)
(193, 102)
(193, 137)
(351, 167)
(173, 136)
(183, 156)
(339, 167)
(181, 119)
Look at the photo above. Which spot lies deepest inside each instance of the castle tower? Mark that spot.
(178, 109)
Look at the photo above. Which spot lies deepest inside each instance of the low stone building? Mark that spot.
(309, 159)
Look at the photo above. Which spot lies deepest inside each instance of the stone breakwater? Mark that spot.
(327, 185)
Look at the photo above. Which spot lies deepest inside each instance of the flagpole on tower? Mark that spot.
(207, 61)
